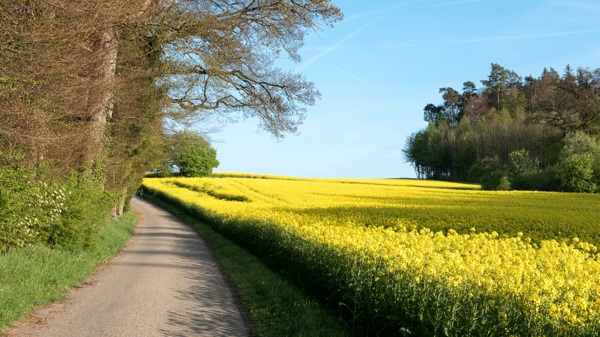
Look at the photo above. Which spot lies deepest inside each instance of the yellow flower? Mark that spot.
(392, 238)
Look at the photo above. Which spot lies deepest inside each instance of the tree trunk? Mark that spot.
(118, 210)
(104, 99)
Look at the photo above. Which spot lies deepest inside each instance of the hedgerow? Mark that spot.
(37, 210)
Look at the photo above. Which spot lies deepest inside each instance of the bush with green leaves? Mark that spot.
(545, 180)
(37, 210)
(27, 208)
(87, 206)
(577, 173)
(579, 167)
(488, 171)
(504, 184)
(520, 162)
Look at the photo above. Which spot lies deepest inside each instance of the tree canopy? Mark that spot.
(93, 81)
(220, 54)
(188, 154)
(88, 87)
(513, 127)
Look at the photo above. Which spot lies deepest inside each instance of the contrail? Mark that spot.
(314, 59)
(335, 46)
(380, 15)
(360, 79)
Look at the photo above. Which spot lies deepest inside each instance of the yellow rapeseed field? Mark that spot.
(406, 257)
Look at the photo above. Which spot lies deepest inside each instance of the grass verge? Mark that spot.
(276, 307)
(33, 276)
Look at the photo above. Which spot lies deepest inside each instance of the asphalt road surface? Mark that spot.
(164, 283)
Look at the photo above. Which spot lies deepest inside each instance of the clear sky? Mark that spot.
(387, 59)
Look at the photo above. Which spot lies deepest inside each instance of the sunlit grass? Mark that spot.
(33, 276)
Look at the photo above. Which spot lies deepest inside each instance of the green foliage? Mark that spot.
(579, 169)
(55, 214)
(520, 162)
(86, 210)
(135, 132)
(545, 180)
(189, 154)
(27, 208)
(488, 171)
(576, 173)
(521, 122)
(580, 143)
(196, 161)
(499, 84)
(504, 184)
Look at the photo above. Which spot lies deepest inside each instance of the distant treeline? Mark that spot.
(538, 133)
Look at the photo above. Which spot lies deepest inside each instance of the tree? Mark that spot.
(464, 153)
(190, 155)
(85, 86)
(415, 151)
(499, 82)
(488, 171)
(579, 168)
(433, 113)
(219, 57)
(523, 140)
(571, 102)
(576, 173)
(450, 111)
(469, 89)
(451, 105)
(467, 98)
(86, 83)
(520, 162)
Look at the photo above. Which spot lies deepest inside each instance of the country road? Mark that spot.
(164, 283)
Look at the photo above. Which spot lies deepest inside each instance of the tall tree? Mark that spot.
(220, 58)
(499, 82)
(570, 103)
(66, 67)
(451, 99)
(466, 98)
(433, 113)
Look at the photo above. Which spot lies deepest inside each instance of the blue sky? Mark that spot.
(386, 60)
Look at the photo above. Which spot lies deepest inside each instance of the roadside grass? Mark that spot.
(33, 276)
(275, 307)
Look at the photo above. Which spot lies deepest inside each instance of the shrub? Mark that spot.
(36, 210)
(520, 162)
(579, 168)
(488, 171)
(577, 174)
(545, 180)
(22, 205)
(504, 184)
(86, 210)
